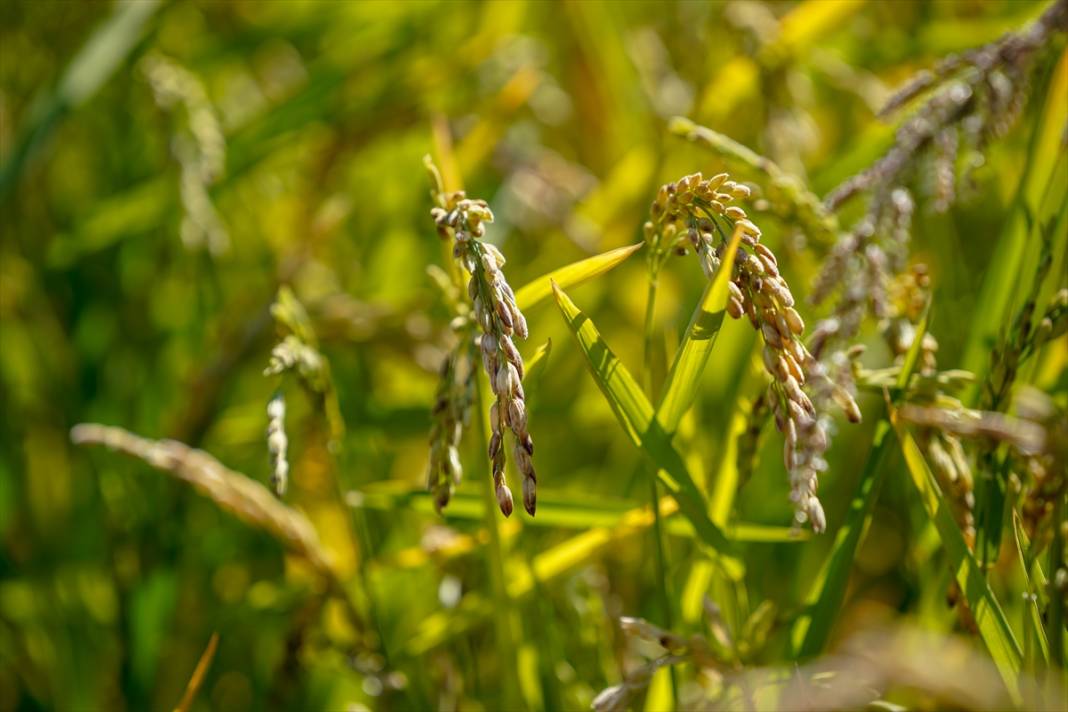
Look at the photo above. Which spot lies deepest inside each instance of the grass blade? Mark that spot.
(693, 353)
(199, 672)
(1033, 630)
(106, 50)
(635, 414)
(555, 509)
(534, 366)
(989, 618)
(535, 291)
(1003, 277)
(813, 630)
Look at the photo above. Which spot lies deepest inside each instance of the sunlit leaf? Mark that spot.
(993, 627)
(535, 291)
(535, 366)
(813, 629)
(635, 415)
(1033, 630)
(557, 510)
(681, 386)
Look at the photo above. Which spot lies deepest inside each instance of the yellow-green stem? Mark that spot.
(658, 533)
(502, 607)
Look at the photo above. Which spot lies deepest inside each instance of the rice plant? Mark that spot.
(290, 292)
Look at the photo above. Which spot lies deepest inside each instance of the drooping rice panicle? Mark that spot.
(975, 97)
(697, 213)
(463, 220)
(451, 412)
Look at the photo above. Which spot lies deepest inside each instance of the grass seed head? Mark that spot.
(277, 444)
(499, 319)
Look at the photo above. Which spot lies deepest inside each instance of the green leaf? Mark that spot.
(659, 696)
(743, 532)
(555, 509)
(693, 353)
(1033, 629)
(1040, 185)
(108, 47)
(989, 618)
(813, 630)
(534, 292)
(534, 366)
(635, 414)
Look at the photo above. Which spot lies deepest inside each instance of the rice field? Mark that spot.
(525, 355)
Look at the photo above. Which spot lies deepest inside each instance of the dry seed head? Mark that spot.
(452, 407)
(698, 209)
(277, 443)
(499, 318)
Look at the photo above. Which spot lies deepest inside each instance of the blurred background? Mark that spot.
(167, 166)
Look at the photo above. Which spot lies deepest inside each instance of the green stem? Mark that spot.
(654, 494)
(502, 605)
(647, 343)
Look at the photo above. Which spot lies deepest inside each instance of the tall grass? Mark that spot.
(849, 494)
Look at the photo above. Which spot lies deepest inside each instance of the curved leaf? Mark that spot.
(538, 289)
(635, 414)
(813, 630)
(993, 626)
(696, 346)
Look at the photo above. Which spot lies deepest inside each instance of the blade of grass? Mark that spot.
(532, 293)
(813, 629)
(199, 672)
(555, 510)
(1033, 630)
(635, 415)
(993, 627)
(534, 366)
(107, 48)
(1002, 279)
(692, 355)
(743, 532)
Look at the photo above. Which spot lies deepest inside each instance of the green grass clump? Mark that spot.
(222, 258)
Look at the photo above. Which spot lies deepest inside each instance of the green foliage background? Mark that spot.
(113, 576)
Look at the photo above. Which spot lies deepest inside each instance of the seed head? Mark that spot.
(500, 320)
(277, 443)
(693, 209)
